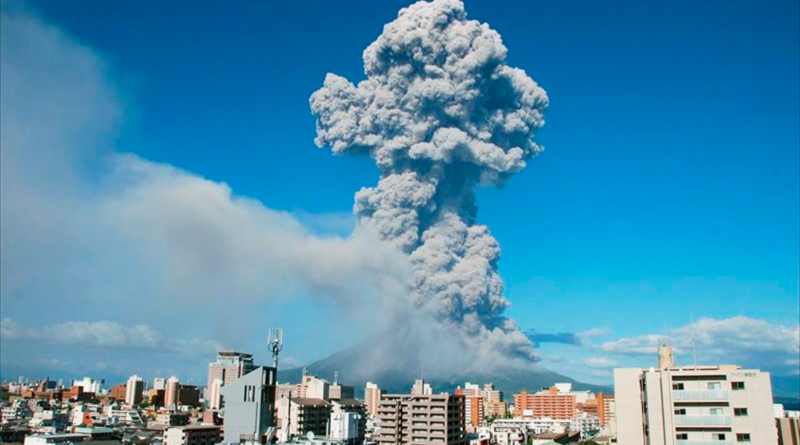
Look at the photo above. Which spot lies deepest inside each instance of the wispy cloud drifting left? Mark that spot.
(105, 335)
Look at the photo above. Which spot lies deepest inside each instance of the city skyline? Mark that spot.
(673, 219)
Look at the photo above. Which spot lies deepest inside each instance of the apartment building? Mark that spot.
(495, 409)
(788, 430)
(372, 398)
(339, 391)
(134, 390)
(356, 412)
(228, 367)
(297, 416)
(600, 406)
(421, 419)
(473, 406)
(693, 404)
(192, 435)
(549, 403)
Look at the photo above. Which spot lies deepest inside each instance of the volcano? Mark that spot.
(510, 380)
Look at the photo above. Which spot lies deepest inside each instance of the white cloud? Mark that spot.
(592, 333)
(105, 335)
(600, 362)
(639, 345)
(738, 340)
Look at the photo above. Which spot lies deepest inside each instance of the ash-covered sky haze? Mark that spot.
(178, 178)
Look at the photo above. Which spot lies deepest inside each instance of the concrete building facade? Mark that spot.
(248, 407)
(134, 390)
(357, 413)
(192, 435)
(228, 367)
(788, 430)
(299, 416)
(372, 398)
(549, 403)
(697, 404)
(421, 419)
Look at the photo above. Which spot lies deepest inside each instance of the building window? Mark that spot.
(714, 386)
(682, 436)
(718, 436)
(743, 437)
(740, 412)
(715, 411)
(680, 412)
(677, 386)
(737, 386)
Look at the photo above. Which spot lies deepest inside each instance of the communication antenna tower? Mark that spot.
(275, 342)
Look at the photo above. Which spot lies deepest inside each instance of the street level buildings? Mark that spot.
(192, 435)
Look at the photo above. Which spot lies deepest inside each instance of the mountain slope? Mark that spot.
(510, 380)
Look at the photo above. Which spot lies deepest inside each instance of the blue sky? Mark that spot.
(668, 190)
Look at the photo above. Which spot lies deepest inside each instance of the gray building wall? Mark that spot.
(248, 405)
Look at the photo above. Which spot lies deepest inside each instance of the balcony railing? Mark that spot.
(700, 395)
(702, 420)
(704, 442)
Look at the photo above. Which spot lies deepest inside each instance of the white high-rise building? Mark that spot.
(88, 385)
(134, 390)
(693, 404)
(421, 388)
(214, 394)
(345, 426)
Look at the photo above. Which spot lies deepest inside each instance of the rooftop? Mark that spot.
(309, 402)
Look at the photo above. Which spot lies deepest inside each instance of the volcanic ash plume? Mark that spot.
(440, 112)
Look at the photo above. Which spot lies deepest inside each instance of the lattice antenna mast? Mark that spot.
(275, 342)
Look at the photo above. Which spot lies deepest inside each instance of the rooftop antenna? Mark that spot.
(335, 377)
(275, 342)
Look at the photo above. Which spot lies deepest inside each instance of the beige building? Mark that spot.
(549, 403)
(230, 365)
(192, 435)
(171, 391)
(788, 430)
(339, 391)
(372, 397)
(693, 404)
(421, 419)
(299, 416)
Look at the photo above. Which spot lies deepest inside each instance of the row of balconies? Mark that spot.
(700, 395)
(704, 442)
(702, 420)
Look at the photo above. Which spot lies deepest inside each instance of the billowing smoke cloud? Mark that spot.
(440, 113)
